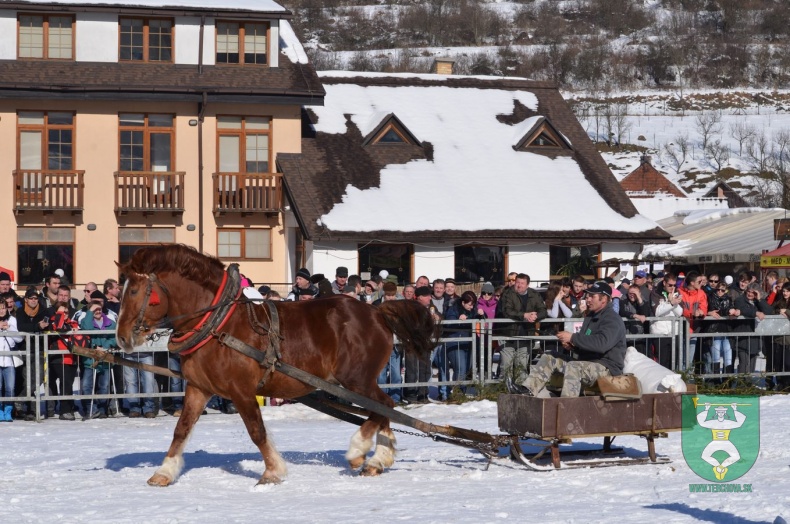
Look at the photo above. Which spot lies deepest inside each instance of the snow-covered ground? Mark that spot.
(96, 471)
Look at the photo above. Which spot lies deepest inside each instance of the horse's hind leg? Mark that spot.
(384, 456)
(194, 402)
(251, 415)
(362, 441)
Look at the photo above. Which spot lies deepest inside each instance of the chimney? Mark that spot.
(443, 66)
(646, 159)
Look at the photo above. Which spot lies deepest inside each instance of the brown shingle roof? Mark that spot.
(646, 180)
(317, 179)
(290, 83)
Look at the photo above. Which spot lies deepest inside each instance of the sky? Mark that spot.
(96, 471)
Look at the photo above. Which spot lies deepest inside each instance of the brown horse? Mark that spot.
(338, 339)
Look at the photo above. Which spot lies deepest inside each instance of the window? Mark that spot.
(395, 258)
(50, 36)
(480, 264)
(242, 43)
(244, 244)
(45, 139)
(43, 250)
(570, 261)
(243, 147)
(543, 135)
(391, 131)
(146, 40)
(391, 136)
(146, 142)
(130, 239)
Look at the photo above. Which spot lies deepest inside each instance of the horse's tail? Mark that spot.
(413, 324)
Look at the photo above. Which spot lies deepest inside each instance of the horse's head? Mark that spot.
(144, 306)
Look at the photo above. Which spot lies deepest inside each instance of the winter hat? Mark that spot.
(31, 292)
(390, 288)
(4, 276)
(315, 279)
(422, 291)
(263, 290)
(96, 295)
(341, 272)
(304, 273)
(488, 287)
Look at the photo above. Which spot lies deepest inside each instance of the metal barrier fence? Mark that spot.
(479, 343)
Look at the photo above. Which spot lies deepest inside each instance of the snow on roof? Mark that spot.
(290, 44)
(474, 166)
(242, 5)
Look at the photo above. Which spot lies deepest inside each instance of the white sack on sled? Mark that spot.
(653, 377)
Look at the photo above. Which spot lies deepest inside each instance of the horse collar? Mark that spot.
(217, 314)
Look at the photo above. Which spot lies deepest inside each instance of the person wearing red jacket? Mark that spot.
(694, 302)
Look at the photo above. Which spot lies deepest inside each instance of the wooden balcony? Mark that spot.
(247, 193)
(48, 191)
(149, 192)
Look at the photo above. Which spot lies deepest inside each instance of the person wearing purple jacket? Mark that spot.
(486, 305)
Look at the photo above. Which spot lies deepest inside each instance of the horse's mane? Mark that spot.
(179, 258)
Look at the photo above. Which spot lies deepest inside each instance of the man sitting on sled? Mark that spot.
(597, 350)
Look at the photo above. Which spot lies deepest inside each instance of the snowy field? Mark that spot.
(96, 471)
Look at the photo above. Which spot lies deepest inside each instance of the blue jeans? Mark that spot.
(135, 379)
(718, 349)
(8, 379)
(176, 384)
(458, 360)
(102, 375)
(391, 375)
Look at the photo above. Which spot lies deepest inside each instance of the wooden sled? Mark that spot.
(549, 423)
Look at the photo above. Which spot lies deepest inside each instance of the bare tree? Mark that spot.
(758, 152)
(708, 124)
(765, 193)
(616, 122)
(677, 152)
(742, 132)
(717, 154)
(780, 163)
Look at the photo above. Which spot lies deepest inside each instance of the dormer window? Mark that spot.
(242, 43)
(390, 131)
(50, 37)
(390, 136)
(146, 40)
(540, 135)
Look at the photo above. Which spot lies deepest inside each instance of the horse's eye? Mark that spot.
(133, 291)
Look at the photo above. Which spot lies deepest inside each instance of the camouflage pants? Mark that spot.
(514, 360)
(577, 373)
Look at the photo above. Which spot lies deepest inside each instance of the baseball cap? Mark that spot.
(600, 288)
(640, 274)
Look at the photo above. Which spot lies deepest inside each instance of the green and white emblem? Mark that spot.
(721, 435)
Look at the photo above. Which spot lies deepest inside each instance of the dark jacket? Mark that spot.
(749, 311)
(722, 305)
(602, 340)
(513, 307)
(628, 309)
(460, 330)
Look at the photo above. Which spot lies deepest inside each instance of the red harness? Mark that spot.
(206, 317)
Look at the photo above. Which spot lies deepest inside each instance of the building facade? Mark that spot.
(127, 124)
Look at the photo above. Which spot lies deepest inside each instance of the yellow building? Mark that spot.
(131, 123)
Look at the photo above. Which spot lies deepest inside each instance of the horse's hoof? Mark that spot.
(371, 471)
(269, 479)
(159, 480)
(356, 463)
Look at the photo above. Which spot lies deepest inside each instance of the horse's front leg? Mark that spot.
(251, 415)
(194, 402)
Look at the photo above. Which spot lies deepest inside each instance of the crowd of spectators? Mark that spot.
(713, 304)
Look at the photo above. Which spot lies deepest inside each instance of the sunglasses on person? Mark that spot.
(714, 280)
(485, 293)
(511, 280)
(721, 290)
